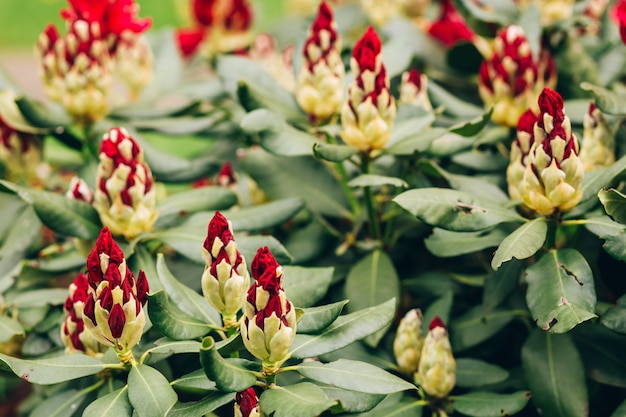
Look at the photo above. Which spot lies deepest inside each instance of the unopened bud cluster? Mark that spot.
(597, 147)
(414, 89)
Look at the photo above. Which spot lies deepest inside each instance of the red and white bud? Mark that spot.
(247, 404)
(437, 367)
(368, 113)
(414, 89)
(597, 148)
(554, 172)
(20, 152)
(114, 312)
(278, 63)
(228, 24)
(408, 343)
(319, 90)
(380, 12)
(77, 69)
(269, 325)
(225, 280)
(450, 27)
(619, 11)
(134, 61)
(519, 154)
(79, 190)
(125, 195)
(73, 333)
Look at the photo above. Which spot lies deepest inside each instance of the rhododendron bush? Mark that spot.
(399, 208)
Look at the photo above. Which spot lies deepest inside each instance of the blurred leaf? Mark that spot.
(481, 160)
(12, 115)
(464, 57)
(42, 116)
(143, 260)
(435, 284)
(354, 375)
(177, 126)
(523, 243)
(10, 328)
(63, 403)
(476, 326)
(38, 297)
(613, 234)
(201, 407)
(441, 308)
(455, 210)
(452, 104)
(405, 129)
(472, 127)
(172, 321)
(614, 318)
(499, 284)
(473, 373)
(450, 144)
(142, 111)
(528, 22)
(114, 404)
(614, 203)
(150, 392)
(304, 286)
(503, 12)
(608, 101)
(316, 319)
(396, 406)
(307, 243)
(227, 375)
(345, 330)
(167, 68)
(370, 180)
(555, 374)
(419, 141)
(445, 244)
(351, 401)
(490, 404)
(620, 411)
(52, 370)
(299, 400)
(181, 205)
(561, 292)
(291, 177)
(596, 180)
(372, 281)
(602, 350)
(249, 245)
(396, 54)
(333, 153)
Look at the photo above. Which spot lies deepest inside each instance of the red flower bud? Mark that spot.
(247, 404)
(450, 27)
(436, 322)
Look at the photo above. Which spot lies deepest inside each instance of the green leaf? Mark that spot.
(473, 373)
(52, 370)
(615, 319)
(613, 234)
(476, 326)
(299, 400)
(305, 286)
(452, 104)
(333, 153)
(195, 382)
(561, 292)
(523, 243)
(345, 330)
(351, 401)
(62, 404)
(490, 404)
(143, 260)
(354, 375)
(172, 321)
(370, 180)
(441, 307)
(614, 204)
(249, 245)
(228, 376)
(150, 392)
(620, 411)
(186, 299)
(181, 205)
(202, 407)
(38, 298)
(455, 210)
(10, 328)
(603, 353)
(316, 319)
(396, 407)
(12, 115)
(291, 177)
(608, 101)
(555, 374)
(445, 244)
(114, 404)
(419, 141)
(372, 281)
(178, 126)
(42, 116)
(499, 284)
(165, 345)
(168, 66)
(598, 179)
(474, 126)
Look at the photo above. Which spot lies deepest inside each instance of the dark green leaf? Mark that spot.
(195, 382)
(248, 246)
(555, 374)
(333, 153)
(355, 376)
(603, 353)
(299, 400)
(499, 284)
(523, 243)
(444, 244)
(441, 308)
(561, 292)
(476, 326)
(351, 401)
(150, 392)
(473, 126)
(369, 180)
(202, 407)
(452, 104)
(114, 404)
(396, 407)
(183, 204)
(171, 321)
(613, 234)
(598, 179)
(620, 411)
(228, 376)
(614, 204)
(615, 319)
(316, 319)
(490, 404)
(473, 373)
(42, 116)
(52, 370)
(608, 101)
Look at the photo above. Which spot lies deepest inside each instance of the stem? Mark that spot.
(271, 380)
(343, 176)
(231, 331)
(551, 234)
(369, 200)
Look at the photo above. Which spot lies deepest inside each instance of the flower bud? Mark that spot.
(437, 368)
(553, 11)
(407, 345)
(20, 152)
(450, 27)
(414, 8)
(125, 195)
(319, 90)
(380, 12)
(228, 23)
(269, 325)
(225, 280)
(278, 63)
(597, 148)
(113, 312)
(414, 89)
(79, 190)
(554, 172)
(368, 113)
(247, 404)
(134, 60)
(620, 14)
(519, 154)
(73, 333)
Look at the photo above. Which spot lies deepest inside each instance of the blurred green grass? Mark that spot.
(21, 21)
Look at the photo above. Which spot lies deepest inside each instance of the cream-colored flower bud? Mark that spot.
(134, 61)
(553, 11)
(407, 345)
(597, 148)
(519, 154)
(380, 12)
(414, 8)
(437, 368)
(414, 89)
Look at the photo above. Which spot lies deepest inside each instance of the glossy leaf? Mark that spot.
(52, 370)
(195, 382)
(491, 404)
(612, 233)
(249, 245)
(345, 330)
(181, 205)
(454, 210)
(561, 292)
(305, 286)
(473, 373)
(419, 141)
(614, 203)
(602, 350)
(351, 401)
(555, 374)
(150, 392)
(333, 153)
(523, 243)
(299, 400)
(444, 243)
(372, 281)
(171, 321)
(476, 326)
(165, 345)
(474, 126)
(316, 319)
(114, 404)
(355, 376)
(595, 181)
(201, 407)
(370, 180)
(615, 319)
(228, 376)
